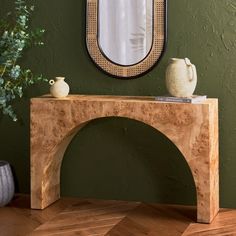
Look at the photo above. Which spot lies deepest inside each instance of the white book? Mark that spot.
(192, 99)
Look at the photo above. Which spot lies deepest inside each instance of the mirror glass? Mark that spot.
(125, 30)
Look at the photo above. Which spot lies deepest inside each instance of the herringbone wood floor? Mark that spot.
(69, 217)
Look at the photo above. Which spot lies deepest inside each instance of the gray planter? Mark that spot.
(7, 187)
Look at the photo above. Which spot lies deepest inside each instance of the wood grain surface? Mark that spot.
(87, 217)
(193, 128)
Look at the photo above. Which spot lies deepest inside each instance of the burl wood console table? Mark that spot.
(193, 128)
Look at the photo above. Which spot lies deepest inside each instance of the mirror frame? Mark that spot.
(142, 67)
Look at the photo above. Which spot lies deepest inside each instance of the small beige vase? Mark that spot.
(181, 77)
(59, 88)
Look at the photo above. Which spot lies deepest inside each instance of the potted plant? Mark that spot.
(15, 37)
(7, 186)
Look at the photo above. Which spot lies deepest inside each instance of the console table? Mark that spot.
(193, 128)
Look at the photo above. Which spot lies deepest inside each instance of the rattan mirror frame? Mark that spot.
(158, 46)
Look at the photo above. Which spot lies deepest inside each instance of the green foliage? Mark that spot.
(15, 37)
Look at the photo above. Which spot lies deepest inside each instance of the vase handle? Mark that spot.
(189, 64)
(51, 82)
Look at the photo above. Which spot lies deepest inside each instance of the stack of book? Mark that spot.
(192, 99)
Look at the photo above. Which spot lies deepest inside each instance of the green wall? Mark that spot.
(120, 158)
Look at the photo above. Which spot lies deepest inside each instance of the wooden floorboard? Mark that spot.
(18, 219)
(86, 217)
(90, 218)
(224, 224)
(152, 220)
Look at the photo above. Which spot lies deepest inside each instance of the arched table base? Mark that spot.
(193, 128)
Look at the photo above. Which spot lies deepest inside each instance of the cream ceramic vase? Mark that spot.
(181, 77)
(59, 88)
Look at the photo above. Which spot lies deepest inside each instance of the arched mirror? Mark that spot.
(126, 38)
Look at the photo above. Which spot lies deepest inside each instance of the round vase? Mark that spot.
(7, 187)
(181, 77)
(59, 88)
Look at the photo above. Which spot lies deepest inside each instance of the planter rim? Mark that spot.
(3, 163)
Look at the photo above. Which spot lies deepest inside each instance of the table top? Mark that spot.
(116, 98)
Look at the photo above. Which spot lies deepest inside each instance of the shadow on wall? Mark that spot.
(134, 163)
